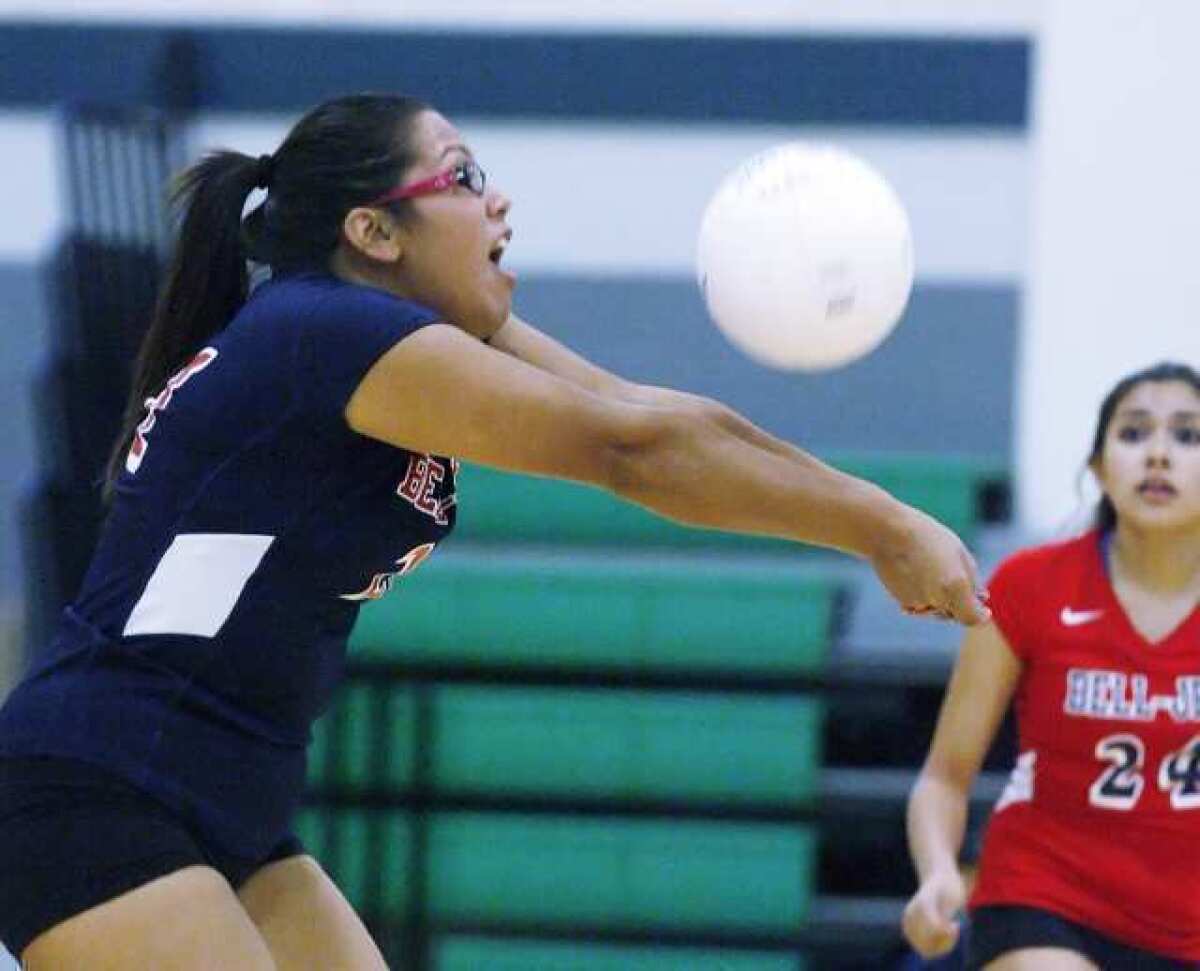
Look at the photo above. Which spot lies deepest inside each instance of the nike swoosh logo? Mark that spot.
(1073, 618)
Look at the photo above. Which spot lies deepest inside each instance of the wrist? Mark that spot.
(942, 869)
(882, 523)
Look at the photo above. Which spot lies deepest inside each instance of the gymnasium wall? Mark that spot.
(609, 138)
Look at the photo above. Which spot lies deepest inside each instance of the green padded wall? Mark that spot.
(497, 954)
(500, 507)
(621, 744)
(620, 873)
(676, 612)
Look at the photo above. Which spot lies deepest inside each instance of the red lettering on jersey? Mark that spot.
(421, 480)
(425, 501)
(137, 448)
(413, 483)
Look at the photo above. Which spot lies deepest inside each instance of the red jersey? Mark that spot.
(1100, 822)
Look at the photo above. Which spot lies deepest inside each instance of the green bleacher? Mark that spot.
(727, 748)
(550, 719)
(513, 609)
(465, 953)
(636, 745)
(625, 874)
(499, 507)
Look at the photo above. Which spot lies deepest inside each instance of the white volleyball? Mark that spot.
(805, 257)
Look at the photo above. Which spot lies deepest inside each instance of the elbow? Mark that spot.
(641, 452)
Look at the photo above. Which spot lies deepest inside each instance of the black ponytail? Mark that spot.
(341, 154)
(206, 281)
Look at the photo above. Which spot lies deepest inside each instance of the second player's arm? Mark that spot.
(979, 692)
(978, 695)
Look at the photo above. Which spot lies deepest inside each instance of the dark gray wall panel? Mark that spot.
(941, 382)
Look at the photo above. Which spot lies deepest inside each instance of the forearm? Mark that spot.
(699, 470)
(522, 340)
(721, 414)
(937, 819)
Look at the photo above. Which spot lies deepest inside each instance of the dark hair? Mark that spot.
(339, 155)
(1106, 515)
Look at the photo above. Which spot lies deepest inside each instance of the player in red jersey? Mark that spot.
(1092, 855)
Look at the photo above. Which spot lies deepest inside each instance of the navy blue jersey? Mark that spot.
(247, 528)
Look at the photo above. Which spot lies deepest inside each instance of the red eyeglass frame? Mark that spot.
(435, 183)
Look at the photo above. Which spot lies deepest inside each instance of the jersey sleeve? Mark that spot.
(1012, 590)
(342, 338)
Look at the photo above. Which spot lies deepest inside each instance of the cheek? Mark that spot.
(1117, 468)
(1191, 465)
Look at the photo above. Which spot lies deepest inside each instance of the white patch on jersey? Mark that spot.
(1020, 782)
(197, 583)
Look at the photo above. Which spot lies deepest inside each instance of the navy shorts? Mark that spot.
(998, 929)
(73, 836)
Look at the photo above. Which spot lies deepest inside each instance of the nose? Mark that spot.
(1158, 451)
(498, 204)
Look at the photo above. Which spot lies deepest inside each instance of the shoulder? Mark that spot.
(326, 334)
(321, 298)
(1037, 564)
(1028, 587)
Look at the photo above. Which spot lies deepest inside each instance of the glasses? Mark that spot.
(469, 175)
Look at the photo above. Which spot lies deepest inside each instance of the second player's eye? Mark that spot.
(1188, 435)
(1130, 433)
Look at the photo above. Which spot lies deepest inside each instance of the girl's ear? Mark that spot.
(374, 234)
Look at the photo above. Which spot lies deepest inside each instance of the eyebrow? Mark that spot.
(1146, 413)
(456, 147)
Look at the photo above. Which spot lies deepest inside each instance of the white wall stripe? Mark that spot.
(31, 192)
(626, 200)
(974, 18)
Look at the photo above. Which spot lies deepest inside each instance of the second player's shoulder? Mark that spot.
(1030, 587)
(1039, 564)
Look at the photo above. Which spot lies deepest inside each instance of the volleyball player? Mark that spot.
(1092, 855)
(286, 455)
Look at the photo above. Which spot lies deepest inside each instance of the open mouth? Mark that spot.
(1156, 489)
(496, 253)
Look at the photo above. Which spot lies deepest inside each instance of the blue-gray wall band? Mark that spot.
(807, 79)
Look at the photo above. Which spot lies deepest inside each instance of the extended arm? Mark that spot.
(521, 340)
(512, 407)
(980, 690)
